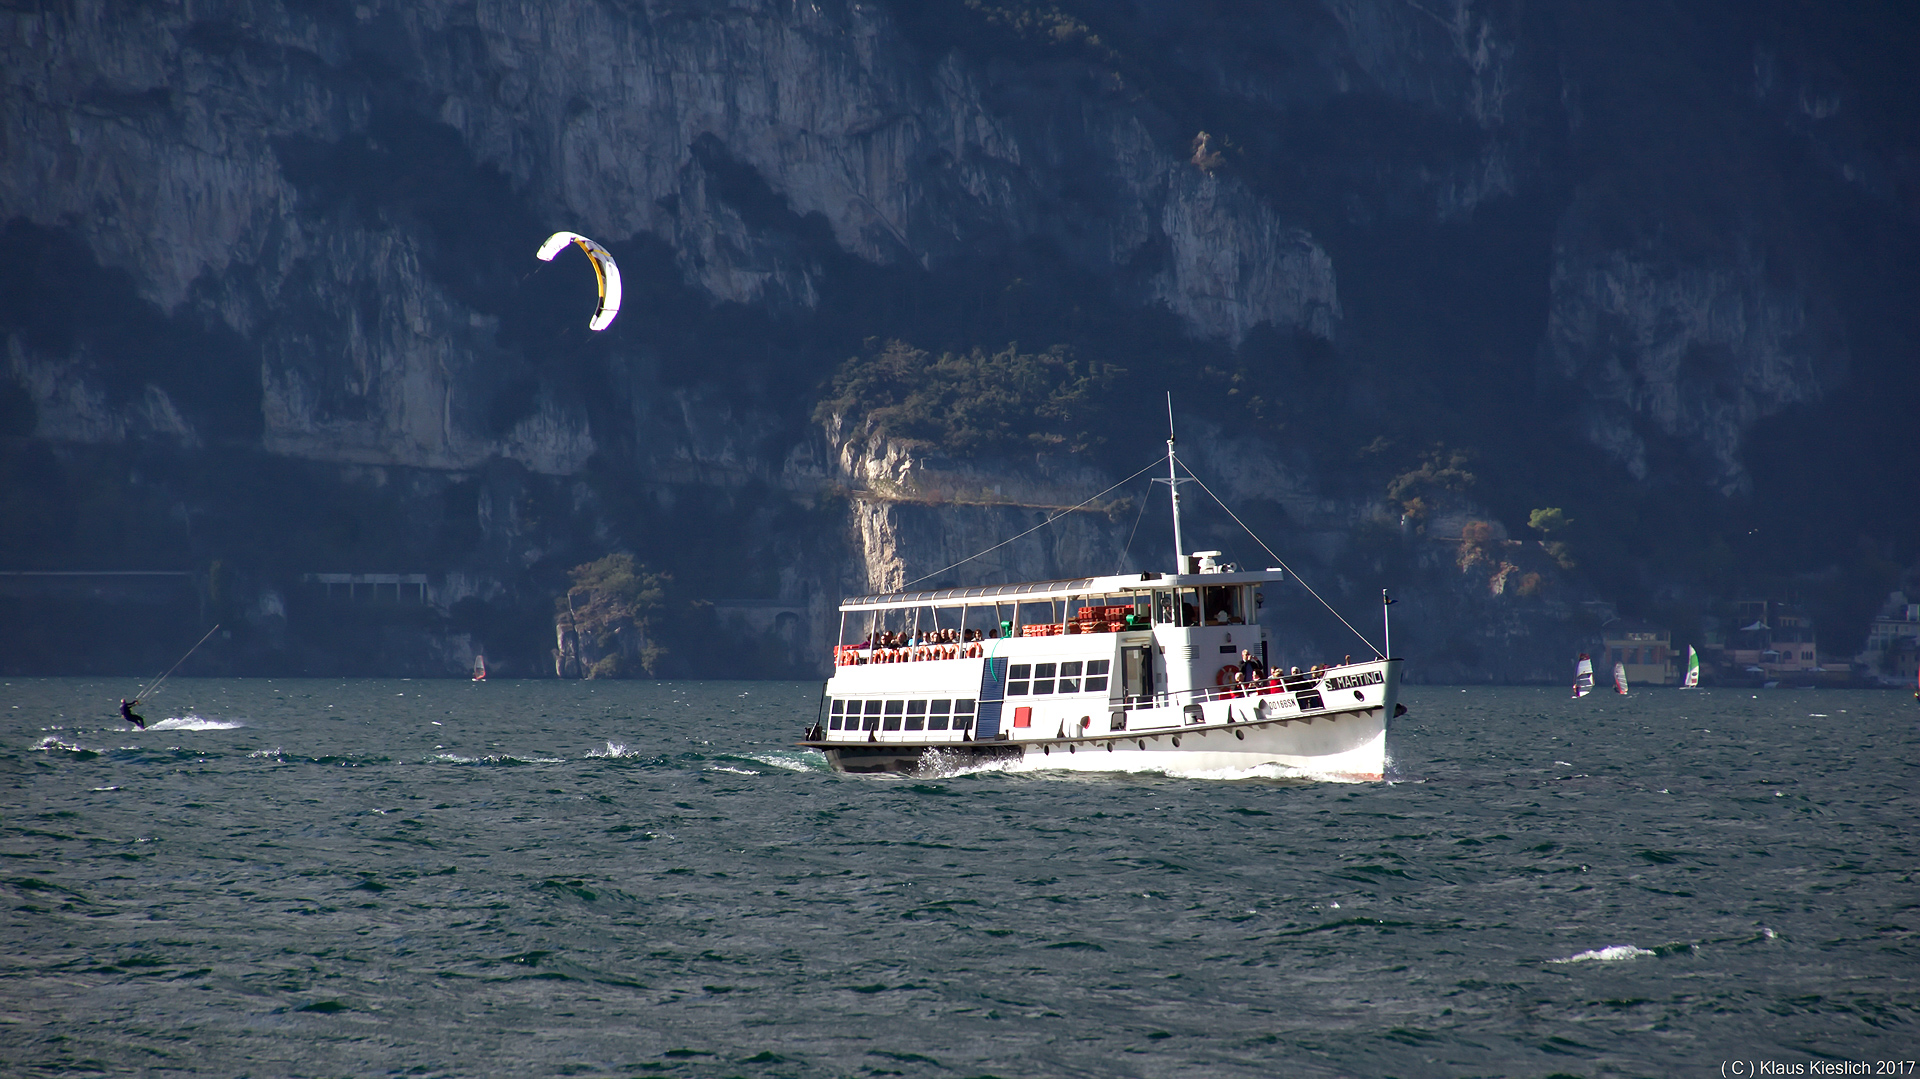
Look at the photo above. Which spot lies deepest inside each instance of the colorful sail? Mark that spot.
(1693, 669)
(1583, 676)
(1619, 678)
(479, 668)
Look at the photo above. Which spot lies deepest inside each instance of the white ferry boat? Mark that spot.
(1141, 671)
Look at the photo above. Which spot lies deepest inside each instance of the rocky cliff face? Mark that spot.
(254, 247)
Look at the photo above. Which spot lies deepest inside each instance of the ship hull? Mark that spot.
(1346, 746)
(1229, 735)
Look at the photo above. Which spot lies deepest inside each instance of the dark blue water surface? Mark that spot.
(325, 878)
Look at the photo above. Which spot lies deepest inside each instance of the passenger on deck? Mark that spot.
(1251, 669)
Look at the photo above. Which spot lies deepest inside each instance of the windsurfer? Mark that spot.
(127, 713)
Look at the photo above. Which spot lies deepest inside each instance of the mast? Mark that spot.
(1173, 484)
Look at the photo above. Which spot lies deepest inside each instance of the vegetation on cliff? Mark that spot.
(973, 403)
(606, 624)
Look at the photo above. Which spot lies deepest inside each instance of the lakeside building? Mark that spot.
(1892, 653)
(1776, 642)
(1645, 649)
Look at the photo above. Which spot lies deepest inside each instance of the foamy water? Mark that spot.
(1613, 954)
(195, 723)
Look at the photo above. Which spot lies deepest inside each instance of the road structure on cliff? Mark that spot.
(1131, 672)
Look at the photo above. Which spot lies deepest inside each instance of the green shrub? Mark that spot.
(974, 404)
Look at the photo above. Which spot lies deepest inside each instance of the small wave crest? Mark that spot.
(192, 722)
(507, 759)
(53, 742)
(273, 753)
(615, 751)
(794, 763)
(1613, 954)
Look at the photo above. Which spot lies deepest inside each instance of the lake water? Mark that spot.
(326, 878)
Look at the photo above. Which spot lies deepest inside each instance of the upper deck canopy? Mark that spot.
(1036, 591)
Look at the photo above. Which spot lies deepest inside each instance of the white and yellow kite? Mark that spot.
(603, 269)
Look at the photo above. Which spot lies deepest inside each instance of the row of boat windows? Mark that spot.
(892, 715)
(1024, 679)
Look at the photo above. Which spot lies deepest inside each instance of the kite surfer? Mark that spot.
(127, 713)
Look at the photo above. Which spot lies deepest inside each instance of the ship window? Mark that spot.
(1043, 678)
(1222, 605)
(937, 717)
(916, 715)
(893, 716)
(1163, 608)
(1070, 678)
(1018, 676)
(873, 716)
(962, 715)
(833, 722)
(1097, 675)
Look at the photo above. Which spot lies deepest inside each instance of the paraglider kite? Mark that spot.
(603, 269)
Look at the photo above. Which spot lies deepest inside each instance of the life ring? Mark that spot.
(1227, 675)
(975, 650)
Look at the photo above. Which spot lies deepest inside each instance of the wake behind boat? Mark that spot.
(1140, 671)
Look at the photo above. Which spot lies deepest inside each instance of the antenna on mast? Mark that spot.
(1173, 482)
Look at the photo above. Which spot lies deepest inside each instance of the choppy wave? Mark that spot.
(1613, 954)
(192, 722)
(496, 759)
(795, 762)
(1112, 905)
(53, 742)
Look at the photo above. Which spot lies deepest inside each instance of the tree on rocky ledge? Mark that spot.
(975, 404)
(604, 627)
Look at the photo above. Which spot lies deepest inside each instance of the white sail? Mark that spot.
(1693, 669)
(479, 668)
(1619, 678)
(1583, 676)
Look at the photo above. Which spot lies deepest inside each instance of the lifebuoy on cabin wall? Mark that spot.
(1227, 675)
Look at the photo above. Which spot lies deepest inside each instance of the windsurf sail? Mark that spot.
(479, 668)
(1619, 678)
(1583, 676)
(1693, 669)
